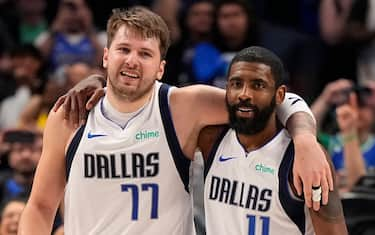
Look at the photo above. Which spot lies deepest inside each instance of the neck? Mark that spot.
(255, 141)
(126, 104)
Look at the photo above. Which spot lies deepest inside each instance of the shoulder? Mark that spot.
(58, 131)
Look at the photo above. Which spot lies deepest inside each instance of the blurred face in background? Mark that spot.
(10, 217)
(26, 69)
(200, 17)
(24, 157)
(232, 21)
(73, 13)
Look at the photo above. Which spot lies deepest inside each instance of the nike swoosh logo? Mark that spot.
(90, 135)
(223, 158)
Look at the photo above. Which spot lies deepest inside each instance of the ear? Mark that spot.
(280, 94)
(160, 73)
(105, 57)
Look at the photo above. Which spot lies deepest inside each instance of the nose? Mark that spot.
(245, 93)
(131, 60)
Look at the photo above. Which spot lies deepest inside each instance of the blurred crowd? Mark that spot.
(327, 46)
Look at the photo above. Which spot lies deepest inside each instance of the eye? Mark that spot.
(259, 85)
(145, 54)
(124, 50)
(236, 83)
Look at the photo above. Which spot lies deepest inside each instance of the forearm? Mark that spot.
(353, 159)
(36, 220)
(301, 123)
(333, 20)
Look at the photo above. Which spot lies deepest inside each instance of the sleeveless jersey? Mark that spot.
(248, 192)
(131, 180)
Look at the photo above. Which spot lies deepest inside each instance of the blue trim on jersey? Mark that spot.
(180, 160)
(293, 208)
(72, 149)
(211, 156)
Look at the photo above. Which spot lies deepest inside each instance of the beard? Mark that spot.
(250, 126)
(130, 94)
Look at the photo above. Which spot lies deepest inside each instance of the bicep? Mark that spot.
(206, 104)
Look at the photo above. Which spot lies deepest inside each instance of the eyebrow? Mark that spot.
(128, 45)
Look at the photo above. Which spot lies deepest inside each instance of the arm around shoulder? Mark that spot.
(206, 104)
(49, 180)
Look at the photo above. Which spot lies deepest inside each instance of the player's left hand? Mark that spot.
(310, 169)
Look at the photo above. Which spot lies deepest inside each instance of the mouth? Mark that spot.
(245, 109)
(131, 75)
(245, 112)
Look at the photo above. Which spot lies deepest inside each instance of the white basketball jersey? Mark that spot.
(131, 180)
(247, 193)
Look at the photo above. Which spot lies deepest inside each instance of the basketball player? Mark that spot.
(124, 171)
(248, 186)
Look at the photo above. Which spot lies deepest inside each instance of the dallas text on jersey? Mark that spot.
(121, 165)
(240, 194)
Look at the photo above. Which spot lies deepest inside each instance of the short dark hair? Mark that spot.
(262, 55)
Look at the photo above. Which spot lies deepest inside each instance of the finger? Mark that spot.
(307, 193)
(58, 103)
(67, 107)
(353, 100)
(325, 190)
(297, 184)
(329, 177)
(81, 110)
(94, 99)
(74, 110)
(316, 183)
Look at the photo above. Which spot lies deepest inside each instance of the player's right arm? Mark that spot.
(49, 181)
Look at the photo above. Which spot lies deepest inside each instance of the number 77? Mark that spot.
(135, 194)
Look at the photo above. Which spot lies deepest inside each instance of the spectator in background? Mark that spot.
(169, 14)
(32, 21)
(72, 36)
(358, 151)
(34, 115)
(25, 148)
(361, 30)
(352, 148)
(340, 52)
(7, 83)
(10, 216)
(25, 79)
(238, 27)
(196, 28)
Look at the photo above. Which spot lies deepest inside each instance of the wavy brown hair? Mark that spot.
(143, 21)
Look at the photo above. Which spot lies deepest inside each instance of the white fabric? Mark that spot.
(12, 107)
(292, 103)
(242, 190)
(136, 175)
